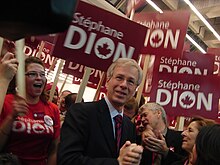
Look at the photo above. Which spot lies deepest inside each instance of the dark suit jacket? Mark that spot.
(87, 135)
(174, 142)
(180, 162)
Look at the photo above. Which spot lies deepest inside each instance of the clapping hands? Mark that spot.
(130, 154)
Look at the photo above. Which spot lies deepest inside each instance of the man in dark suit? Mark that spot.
(88, 133)
(162, 146)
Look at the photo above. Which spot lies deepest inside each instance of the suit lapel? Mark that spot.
(106, 125)
(125, 130)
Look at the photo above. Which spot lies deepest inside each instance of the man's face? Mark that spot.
(150, 118)
(122, 85)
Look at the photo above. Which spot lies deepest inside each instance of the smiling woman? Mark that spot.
(39, 125)
(189, 136)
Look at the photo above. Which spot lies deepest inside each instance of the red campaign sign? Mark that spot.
(204, 63)
(51, 38)
(166, 33)
(77, 70)
(31, 48)
(97, 37)
(191, 63)
(216, 53)
(186, 95)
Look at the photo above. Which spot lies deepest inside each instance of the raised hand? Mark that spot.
(154, 142)
(8, 66)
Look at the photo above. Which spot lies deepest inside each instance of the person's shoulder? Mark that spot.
(52, 105)
(174, 134)
(174, 131)
(90, 104)
(128, 121)
(88, 107)
(182, 161)
(9, 96)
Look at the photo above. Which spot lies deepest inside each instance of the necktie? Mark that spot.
(118, 123)
(156, 160)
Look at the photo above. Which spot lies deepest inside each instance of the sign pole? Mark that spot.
(53, 65)
(180, 123)
(40, 49)
(53, 88)
(1, 44)
(20, 76)
(64, 82)
(141, 87)
(83, 84)
(99, 87)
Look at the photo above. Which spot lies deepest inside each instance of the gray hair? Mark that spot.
(153, 107)
(125, 62)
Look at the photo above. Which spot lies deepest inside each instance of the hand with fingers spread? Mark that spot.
(155, 143)
(147, 136)
(148, 132)
(8, 66)
(130, 154)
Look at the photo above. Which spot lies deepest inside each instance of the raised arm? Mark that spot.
(8, 68)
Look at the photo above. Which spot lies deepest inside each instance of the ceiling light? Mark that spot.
(202, 19)
(187, 36)
(154, 6)
(194, 43)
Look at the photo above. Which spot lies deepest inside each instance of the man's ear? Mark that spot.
(159, 113)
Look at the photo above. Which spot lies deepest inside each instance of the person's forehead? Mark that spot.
(65, 93)
(119, 68)
(193, 124)
(34, 66)
(127, 71)
(145, 110)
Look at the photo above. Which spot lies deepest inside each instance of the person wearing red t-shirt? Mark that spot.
(30, 127)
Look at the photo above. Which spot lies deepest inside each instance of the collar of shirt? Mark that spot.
(164, 132)
(112, 110)
(113, 113)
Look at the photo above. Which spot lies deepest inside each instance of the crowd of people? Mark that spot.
(115, 130)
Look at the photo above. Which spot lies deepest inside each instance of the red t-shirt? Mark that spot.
(32, 134)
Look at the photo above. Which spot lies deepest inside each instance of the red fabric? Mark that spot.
(32, 134)
(153, 157)
(118, 123)
(49, 86)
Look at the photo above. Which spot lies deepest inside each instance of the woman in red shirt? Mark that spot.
(30, 127)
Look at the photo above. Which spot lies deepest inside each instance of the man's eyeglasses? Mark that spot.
(35, 74)
(131, 82)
